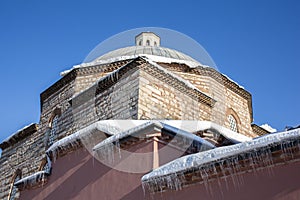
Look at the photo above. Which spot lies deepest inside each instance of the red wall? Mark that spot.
(79, 176)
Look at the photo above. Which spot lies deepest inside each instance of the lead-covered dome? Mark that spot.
(148, 44)
(146, 50)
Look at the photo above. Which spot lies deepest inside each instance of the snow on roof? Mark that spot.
(195, 126)
(131, 132)
(197, 160)
(154, 58)
(268, 128)
(158, 124)
(77, 136)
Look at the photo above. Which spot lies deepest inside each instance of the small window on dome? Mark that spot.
(148, 43)
(155, 44)
(140, 43)
(232, 123)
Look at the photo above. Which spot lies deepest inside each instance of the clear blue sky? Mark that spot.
(256, 43)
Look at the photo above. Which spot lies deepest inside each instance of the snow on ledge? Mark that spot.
(77, 136)
(32, 179)
(199, 159)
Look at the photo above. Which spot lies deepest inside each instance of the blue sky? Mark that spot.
(256, 43)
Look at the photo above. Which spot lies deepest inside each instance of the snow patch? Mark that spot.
(268, 128)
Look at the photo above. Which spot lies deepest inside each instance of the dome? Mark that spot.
(146, 50)
(148, 44)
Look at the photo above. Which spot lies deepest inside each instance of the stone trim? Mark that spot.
(106, 68)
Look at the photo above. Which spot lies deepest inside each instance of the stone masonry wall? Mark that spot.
(226, 99)
(158, 100)
(85, 81)
(23, 155)
(116, 102)
(59, 100)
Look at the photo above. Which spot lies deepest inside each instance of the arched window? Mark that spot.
(155, 44)
(148, 43)
(232, 123)
(13, 192)
(140, 43)
(53, 131)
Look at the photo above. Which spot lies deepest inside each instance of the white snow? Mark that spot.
(190, 137)
(194, 126)
(32, 179)
(72, 139)
(130, 132)
(268, 128)
(217, 155)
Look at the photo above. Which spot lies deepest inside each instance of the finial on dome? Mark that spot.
(147, 39)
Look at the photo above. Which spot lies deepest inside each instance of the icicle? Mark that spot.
(257, 153)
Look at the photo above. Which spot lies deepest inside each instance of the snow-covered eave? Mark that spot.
(157, 125)
(75, 137)
(191, 64)
(16, 135)
(240, 86)
(95, 63)
(197, 160)
(133, 132)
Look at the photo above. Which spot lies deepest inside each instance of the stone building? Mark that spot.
(141, 82)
